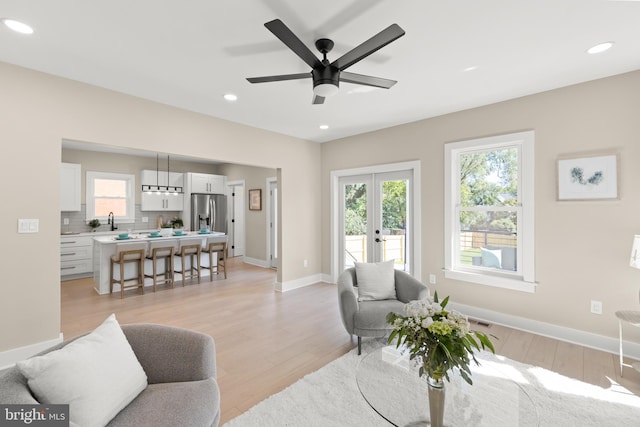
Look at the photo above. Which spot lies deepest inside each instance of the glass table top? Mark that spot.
(394, 390)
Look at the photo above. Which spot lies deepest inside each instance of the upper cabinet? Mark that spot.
(70, 187)
(206, 183)
(151, 177)
(162, 200)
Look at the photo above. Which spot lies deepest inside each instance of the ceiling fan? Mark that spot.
(328, 75)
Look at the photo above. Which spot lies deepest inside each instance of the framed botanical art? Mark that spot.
(255, 200)
(588, 177)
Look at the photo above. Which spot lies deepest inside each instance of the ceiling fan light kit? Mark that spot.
(326, 76)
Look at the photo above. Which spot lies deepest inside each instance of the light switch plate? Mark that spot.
(28, 225)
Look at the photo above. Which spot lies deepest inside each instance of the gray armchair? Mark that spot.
(369, 318)
(181, 371)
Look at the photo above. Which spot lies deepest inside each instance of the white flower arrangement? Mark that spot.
(438, 338)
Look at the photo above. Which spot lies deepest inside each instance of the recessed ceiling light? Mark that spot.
(600, 48)
(230, 97)
(17, 26)
(324, 127)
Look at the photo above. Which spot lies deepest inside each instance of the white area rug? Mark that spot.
(330, 397)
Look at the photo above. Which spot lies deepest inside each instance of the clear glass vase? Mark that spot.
(436, 401)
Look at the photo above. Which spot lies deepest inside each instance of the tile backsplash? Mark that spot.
(78, 221)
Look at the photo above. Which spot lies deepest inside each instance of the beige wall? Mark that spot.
(582, 248)
(255, 221)
(40, 110)
(127, 164)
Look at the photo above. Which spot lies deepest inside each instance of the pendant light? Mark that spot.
(174, 190)
(157, 189)
(149, 189)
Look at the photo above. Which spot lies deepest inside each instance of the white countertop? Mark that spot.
(104, 233)
(144, 236)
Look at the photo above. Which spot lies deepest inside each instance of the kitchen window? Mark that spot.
(489, 225)
(110, 192)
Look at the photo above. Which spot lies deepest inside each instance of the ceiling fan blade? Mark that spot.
(361, 79)
(279, 78)
(317, 99)
(292, 41)
(380, 40)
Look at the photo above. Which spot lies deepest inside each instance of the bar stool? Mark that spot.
(161, 251)
(215, 245)
(127, 253)
(188, 249)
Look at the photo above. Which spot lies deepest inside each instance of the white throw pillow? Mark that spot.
(376, 281)
(97, 375)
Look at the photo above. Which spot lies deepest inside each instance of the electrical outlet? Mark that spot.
(145, 219)
(432, 279)
(305, 263)
(596, 307)
(65, 221)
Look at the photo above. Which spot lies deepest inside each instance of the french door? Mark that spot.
(375, 219)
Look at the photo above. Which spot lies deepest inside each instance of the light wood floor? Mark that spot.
(266, 341)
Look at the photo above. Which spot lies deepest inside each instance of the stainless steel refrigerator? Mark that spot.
(209, 211)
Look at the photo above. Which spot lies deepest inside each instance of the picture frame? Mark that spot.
(588, 177)
(255, 200)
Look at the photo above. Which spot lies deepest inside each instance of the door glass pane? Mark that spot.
(394, 222)
(489, 239)
(355, 224)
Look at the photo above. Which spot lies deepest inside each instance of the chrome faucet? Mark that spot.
(112, 220)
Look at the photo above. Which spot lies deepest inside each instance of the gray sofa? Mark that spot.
(369, 318)
(181, 373)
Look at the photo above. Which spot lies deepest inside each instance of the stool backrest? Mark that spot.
(130, 251)
(162, 247)
(215, 243)
(189, 245)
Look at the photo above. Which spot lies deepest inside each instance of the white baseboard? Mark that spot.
(257, 262)
(298, 283)
(574, 336)
(10, 357)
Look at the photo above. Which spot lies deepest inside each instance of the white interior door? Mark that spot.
(235, 221)
(375, 219)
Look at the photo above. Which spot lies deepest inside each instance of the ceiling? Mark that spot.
(190, 53)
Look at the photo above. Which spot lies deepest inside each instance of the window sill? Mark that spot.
(491, 280)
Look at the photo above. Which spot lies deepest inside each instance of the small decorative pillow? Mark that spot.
(97, 375)
(376, 281)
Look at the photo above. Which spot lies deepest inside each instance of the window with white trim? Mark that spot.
(489, 224)
(110, 192)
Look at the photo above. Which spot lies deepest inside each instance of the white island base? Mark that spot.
(105, 246)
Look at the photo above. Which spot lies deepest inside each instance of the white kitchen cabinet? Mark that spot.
(162, 202)
(159, 201)
(207, 183)
(151, 177)
(70, 183)
(76, 256)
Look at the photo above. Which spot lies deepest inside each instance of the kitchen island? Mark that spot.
(105, 246)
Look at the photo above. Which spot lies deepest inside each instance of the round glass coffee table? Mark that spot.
(394, 390)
